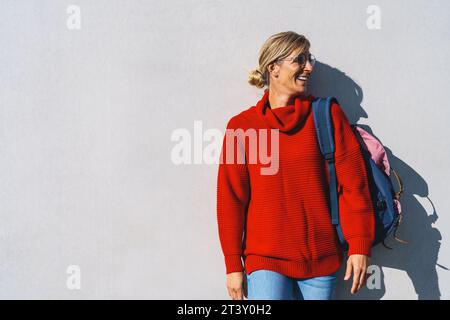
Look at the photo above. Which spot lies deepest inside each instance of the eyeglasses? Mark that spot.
(301, 59)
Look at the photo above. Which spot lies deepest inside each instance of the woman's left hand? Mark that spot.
(358, 264)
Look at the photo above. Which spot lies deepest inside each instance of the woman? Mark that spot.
(278, 220)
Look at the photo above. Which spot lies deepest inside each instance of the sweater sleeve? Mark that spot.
(233, 193)
(355, 204)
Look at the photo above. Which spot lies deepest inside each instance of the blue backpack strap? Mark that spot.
(325, 135)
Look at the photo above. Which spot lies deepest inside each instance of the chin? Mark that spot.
(300, 90)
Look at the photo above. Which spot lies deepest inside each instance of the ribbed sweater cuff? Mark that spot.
(359, 246)
(233, 263)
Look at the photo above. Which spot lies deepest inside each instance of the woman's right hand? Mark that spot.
(237, 285)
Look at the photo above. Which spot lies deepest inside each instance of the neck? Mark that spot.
(279, 99)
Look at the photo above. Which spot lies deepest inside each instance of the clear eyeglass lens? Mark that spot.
(302, 59)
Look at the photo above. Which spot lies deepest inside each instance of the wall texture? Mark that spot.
(92, 91)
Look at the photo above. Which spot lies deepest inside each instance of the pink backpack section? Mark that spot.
(379, 156)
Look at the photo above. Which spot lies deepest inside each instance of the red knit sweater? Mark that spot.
(281, 221)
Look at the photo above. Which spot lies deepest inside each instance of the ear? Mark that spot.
(274, 69)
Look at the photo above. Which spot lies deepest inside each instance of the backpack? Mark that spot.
(386, 202)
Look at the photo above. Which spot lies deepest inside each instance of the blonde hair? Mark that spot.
(277, 46)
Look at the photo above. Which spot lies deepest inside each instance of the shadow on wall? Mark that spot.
(418, 258)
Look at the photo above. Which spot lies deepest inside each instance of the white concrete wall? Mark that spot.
(86, 118)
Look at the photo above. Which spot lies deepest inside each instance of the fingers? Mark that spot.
(236, 284)
(348, 271)
(236, 294)
(240, 294)
(348, 274)
(356, 277)
(358, 265)
(230, 293)
(362, 279)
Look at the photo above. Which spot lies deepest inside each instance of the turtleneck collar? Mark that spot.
(284, 118)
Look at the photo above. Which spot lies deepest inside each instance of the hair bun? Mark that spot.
(256, 78)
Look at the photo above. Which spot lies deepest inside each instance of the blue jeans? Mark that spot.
(271, 285)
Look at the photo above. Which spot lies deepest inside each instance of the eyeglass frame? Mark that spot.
(296, 59)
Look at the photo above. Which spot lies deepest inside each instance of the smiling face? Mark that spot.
(288, 77)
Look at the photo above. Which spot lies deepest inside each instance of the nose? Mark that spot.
(308, 66)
